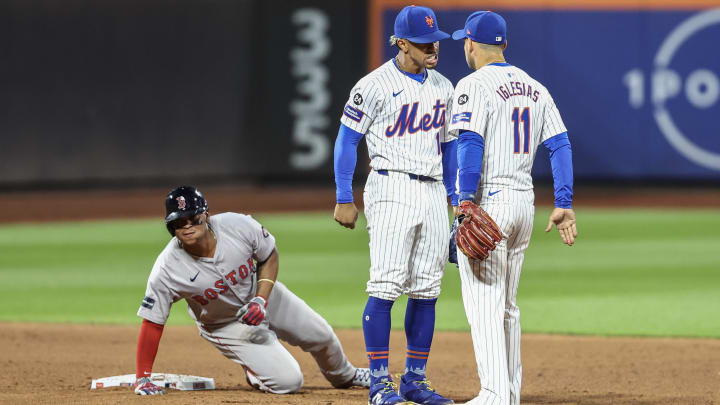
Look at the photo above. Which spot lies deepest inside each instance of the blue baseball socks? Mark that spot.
(376, 328)
(419, 328)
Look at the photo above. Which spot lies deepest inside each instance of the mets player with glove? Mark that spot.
(501, 115)
(225, 266)
(400, 108)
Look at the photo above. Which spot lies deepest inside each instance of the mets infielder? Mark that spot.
(500, 115)
(225, 267)
(400, 108)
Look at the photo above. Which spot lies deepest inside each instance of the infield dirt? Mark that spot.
(55, 363)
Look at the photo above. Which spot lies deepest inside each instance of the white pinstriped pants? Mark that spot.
(489, 290)
(408, 224)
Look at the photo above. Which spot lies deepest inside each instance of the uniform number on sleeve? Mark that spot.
(517, 116)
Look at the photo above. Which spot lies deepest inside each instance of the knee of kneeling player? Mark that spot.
(288, 382)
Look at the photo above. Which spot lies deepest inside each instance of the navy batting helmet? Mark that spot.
(183, 202)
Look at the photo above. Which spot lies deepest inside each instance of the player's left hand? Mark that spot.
(564, 218)
(145, 386)
(477, 232)
(452, 257)
(252, 313)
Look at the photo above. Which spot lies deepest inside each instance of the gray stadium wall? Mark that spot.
(131, 92)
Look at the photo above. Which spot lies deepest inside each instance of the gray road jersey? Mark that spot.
(214, 288)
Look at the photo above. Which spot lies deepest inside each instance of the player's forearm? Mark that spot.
(267, 270)
(469, 156)
(449, 162)
(147, 347)
(345, 160)
(561, 162)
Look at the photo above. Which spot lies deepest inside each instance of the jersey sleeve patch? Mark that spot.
(461, 117)
(353, 113)
(148, 303)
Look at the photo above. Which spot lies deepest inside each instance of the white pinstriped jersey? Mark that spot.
(402, 119)
(214, 288)
(514, 114)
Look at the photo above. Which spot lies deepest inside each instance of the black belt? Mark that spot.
(412, 176)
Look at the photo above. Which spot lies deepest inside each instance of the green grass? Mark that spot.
(632, 272)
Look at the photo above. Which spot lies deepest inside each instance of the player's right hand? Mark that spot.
(145, 386)
(346, 214)
(564, 218)
(253, 313)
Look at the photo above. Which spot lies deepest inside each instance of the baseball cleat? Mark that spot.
(362, 378)
(419, 391)
(384, 392)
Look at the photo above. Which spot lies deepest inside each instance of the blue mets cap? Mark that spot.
(485, 27)
(418, 24)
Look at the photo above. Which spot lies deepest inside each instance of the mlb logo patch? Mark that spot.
(353, 113)
(462, 117)
(498, 39)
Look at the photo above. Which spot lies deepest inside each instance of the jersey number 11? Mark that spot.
(525, 118)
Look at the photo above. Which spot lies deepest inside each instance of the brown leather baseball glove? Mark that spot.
(477, 233)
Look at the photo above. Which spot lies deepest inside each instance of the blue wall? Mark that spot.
(584, 58)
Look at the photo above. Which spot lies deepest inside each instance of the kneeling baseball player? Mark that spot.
(225, 267)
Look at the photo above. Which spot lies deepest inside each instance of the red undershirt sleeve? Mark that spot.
(147, 347)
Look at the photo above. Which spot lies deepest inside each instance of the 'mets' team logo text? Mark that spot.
(221, 285)
(406, 120)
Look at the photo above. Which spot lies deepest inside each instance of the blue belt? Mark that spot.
(412, 176)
